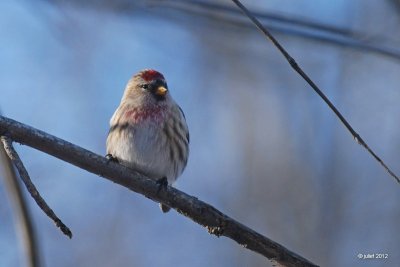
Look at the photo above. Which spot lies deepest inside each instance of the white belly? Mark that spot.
(145, 149)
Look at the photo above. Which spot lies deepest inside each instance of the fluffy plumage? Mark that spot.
(148, 131)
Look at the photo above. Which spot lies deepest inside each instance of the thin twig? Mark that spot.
(23, 219)
(23, 173)
(297, 68)
(200, 212)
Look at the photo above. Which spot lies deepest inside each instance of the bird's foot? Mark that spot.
(110, 157)
(162, 183)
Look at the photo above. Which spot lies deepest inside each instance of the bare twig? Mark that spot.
(23, 220)
(299, 70)
(202, 213)
(23, 173)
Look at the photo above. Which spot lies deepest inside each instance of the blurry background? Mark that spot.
(264, 148)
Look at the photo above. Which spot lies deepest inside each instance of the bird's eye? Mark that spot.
(144, 86)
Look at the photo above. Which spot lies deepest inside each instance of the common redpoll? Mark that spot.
(148, 131)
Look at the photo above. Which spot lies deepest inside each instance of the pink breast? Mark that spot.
(138, 115)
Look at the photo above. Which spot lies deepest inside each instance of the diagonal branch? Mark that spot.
(300, 71)
(200, 212)
(23, 173)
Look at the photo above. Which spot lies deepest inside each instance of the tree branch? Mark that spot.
(200, 212)
(23, 173)
(300, 71)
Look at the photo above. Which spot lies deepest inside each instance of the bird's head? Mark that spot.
(148, 87)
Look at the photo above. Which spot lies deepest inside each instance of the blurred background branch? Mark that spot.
(23, 173)
(285, 24)
(280, 23)
(23, 222)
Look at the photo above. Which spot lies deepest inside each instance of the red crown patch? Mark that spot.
(150, 75)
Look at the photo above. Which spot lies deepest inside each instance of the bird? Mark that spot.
(148, 130)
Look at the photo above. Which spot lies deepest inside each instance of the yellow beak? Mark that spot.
(161, 91)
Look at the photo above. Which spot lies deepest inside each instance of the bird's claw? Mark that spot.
(162, 183)
(110, 157)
